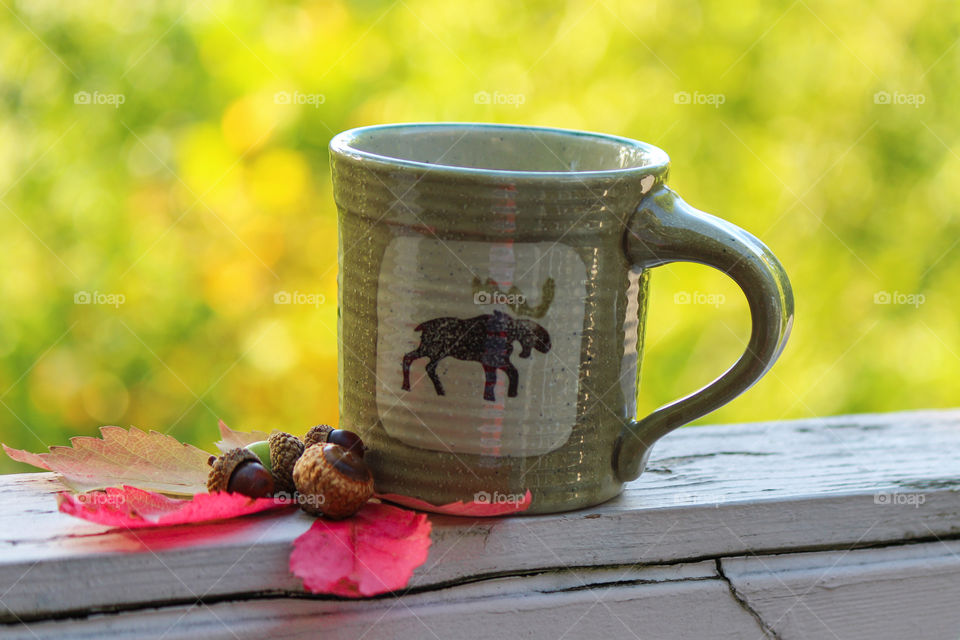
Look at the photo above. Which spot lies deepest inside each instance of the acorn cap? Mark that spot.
(224, 466)
(285, 450)
(332, 481)
(348, 440)
(317, 435)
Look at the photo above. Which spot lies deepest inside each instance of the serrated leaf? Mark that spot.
(131, 508)
(19, 455)
(481, 509)
(375, 551)
(153, 461)
(230, 439)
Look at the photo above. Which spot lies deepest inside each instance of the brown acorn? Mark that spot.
(240, 471)
(317, 435)
(332, 481)
(324, 433)
(348, 440)
(285, 450)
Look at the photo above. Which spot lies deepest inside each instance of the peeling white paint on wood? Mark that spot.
(653, 602)
(792, 495)
(910, 591)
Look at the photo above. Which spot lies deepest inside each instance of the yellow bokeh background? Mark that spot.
(191, 186)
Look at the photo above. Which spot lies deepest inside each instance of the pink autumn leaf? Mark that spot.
(129, 507)
(230, 439)
(375, 551)
(33, 459)
(149, 460)
(485, 508)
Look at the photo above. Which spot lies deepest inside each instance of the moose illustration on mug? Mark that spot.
(487, 339)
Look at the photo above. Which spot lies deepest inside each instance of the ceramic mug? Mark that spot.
(492, 299)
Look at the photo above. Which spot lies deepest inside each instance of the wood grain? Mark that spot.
(565, 604)
(907, 591)
(772, 490)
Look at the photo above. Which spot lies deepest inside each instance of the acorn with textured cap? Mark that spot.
(317, 435)
(324, 433)
(332, 481)
(285, 450)
(240, 471)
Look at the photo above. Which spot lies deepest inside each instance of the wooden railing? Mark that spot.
(845, 527)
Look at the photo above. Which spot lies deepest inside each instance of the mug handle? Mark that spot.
(665, 229)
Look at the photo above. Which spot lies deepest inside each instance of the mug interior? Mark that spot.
(493, 148)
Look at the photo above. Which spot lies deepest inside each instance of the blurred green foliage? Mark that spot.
(203, 194)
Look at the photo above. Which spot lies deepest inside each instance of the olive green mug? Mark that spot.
(492, 298)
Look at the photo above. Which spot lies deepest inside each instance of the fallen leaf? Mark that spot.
(35, 459)
(230, 439)
(153, 461)
(375, 551)
(474, 509)
(131, 508)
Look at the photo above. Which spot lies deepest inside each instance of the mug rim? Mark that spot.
(342, 144)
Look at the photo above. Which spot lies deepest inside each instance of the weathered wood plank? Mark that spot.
(651, 602)
(709, 492)
(909, 591)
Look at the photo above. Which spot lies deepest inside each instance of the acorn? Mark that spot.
(285, 450)
(348, 440)
(324, 433)
(332, 481)
(240, 471)
(317, 435)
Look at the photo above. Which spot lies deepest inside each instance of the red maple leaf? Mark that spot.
(375, 551)
(130, 508)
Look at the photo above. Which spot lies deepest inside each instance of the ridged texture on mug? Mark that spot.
(378, 206)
